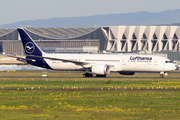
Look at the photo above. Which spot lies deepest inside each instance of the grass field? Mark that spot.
(62, 95)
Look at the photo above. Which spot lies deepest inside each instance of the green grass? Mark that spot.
(55, 103)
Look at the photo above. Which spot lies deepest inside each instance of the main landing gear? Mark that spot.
(91, 75)
(87, 75)
(100, 75)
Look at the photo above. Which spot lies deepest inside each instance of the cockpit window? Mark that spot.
(168, 62)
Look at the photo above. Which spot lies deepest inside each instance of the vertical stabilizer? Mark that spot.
(30, 47)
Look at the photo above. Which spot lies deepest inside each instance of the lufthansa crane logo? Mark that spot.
(29, 47)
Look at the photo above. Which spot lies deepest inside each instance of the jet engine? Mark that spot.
(100, 69)
(127, 73)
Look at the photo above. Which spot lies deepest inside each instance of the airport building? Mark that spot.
(121, 39)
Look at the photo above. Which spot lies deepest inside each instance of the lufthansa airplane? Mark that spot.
(98, 64)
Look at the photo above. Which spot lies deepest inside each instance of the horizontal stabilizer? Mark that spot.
(20, 58)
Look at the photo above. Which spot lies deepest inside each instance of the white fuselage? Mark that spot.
(120, 62)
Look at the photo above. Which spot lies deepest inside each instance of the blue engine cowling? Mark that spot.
(127, 73)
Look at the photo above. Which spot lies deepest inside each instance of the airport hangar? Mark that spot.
(118, 39)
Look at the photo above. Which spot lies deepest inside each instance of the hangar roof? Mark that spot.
(52, 33)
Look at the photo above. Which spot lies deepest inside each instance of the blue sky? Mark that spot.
(20, 10)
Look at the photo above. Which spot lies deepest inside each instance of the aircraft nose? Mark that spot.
(173, 67)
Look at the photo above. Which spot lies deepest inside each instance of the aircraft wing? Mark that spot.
(64, 60)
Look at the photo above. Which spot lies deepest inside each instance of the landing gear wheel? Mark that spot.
(161, 76)
(100, 75)
(84, 75)
(87, 75)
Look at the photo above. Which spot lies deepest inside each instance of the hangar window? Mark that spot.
(144, 36)
(164, 36)
(124, 37)
(134, 36)
(175, 36)
(154, 36)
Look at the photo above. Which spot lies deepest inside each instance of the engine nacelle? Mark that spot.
(127, 73)
(101, 69)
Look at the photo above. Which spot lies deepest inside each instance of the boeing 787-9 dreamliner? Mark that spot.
(98, 64)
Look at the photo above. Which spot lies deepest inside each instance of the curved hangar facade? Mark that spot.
(110, 38)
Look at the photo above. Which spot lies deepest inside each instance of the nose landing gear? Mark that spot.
(162, 74)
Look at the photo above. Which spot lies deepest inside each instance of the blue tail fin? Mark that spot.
(30, 47)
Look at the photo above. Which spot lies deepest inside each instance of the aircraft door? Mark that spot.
(156, 62)
(125, 64)
(124, 61)
(162, 64)
(159, 65)
(81, 59)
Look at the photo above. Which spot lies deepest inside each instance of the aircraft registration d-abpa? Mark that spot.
(98, 64)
